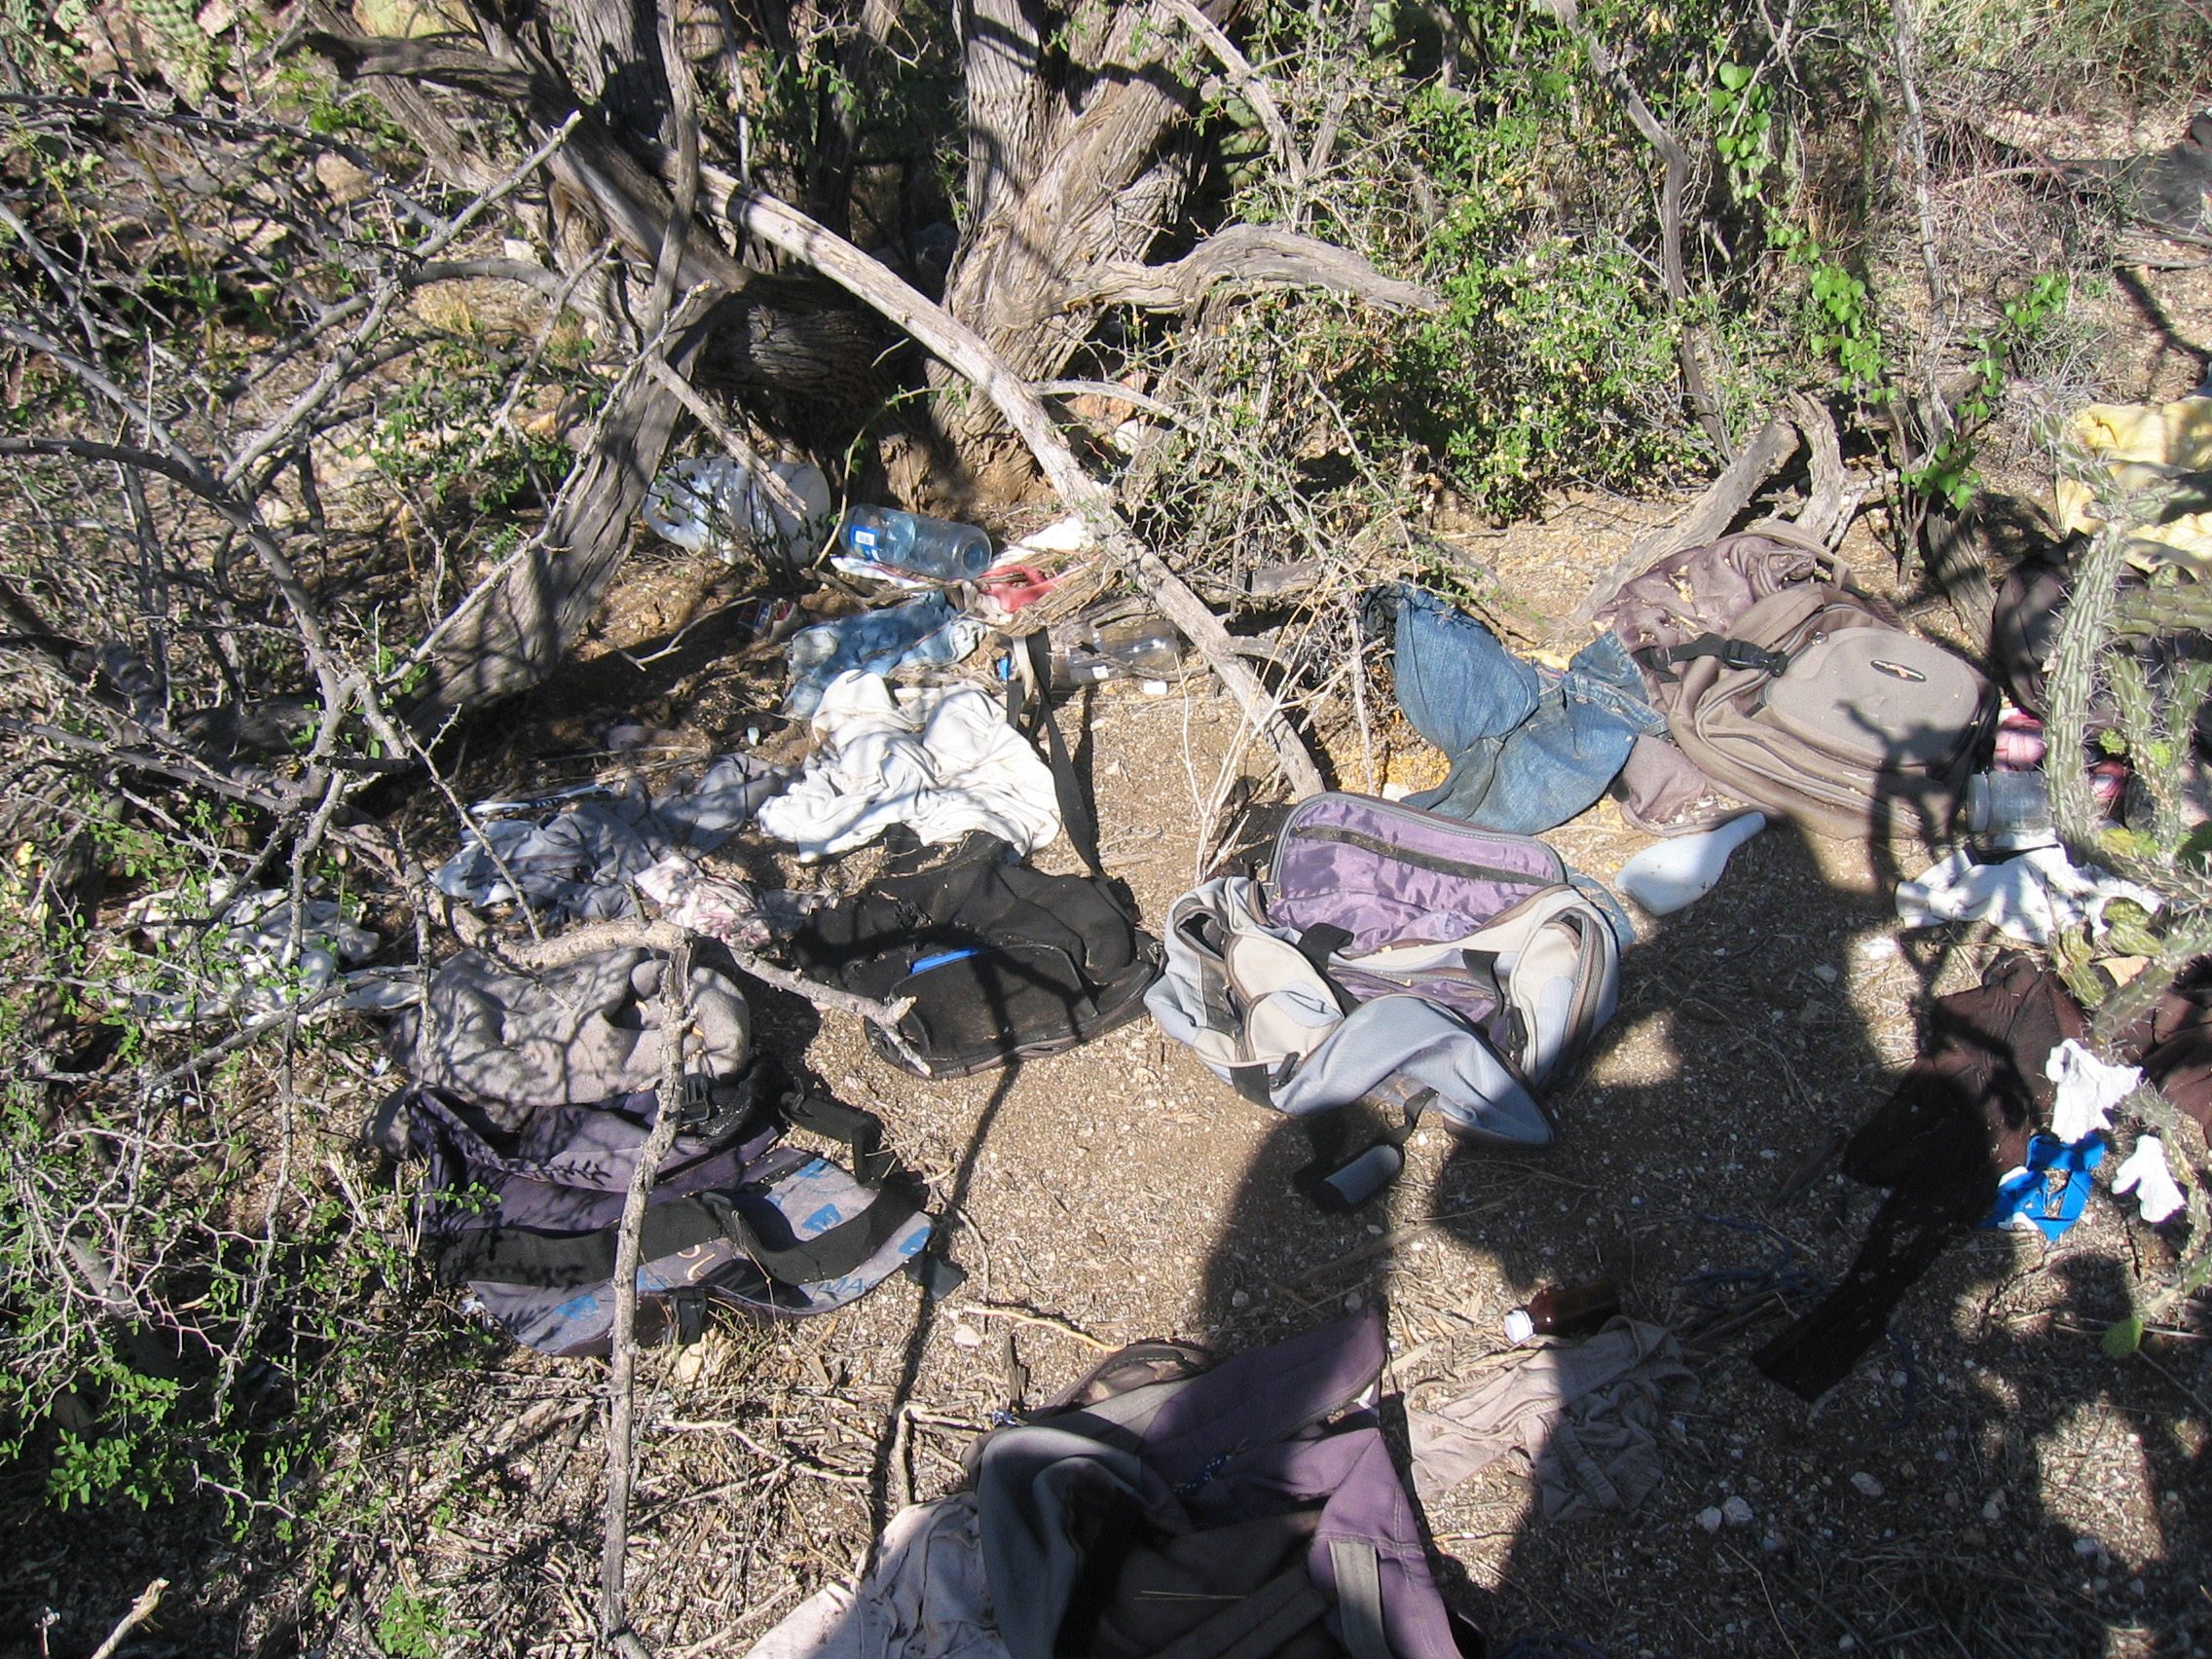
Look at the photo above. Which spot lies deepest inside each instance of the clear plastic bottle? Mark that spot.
(2007, 804)
(1145, 650)
(1565, 1310)
(915, 543)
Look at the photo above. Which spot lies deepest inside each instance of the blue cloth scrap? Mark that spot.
(1530, 746)
(2052, 1186)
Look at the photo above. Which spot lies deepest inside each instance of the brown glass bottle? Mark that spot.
(1565, 1310)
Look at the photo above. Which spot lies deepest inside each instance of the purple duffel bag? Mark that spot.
(1393, 954)
(1249, 1508)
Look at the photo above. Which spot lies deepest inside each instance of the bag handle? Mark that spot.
(1733, 653)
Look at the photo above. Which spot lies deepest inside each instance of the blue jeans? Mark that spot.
(1530, 746)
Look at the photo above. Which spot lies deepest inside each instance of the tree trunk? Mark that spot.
(1080, 151)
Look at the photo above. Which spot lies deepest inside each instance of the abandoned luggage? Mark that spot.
(530, 1159)
(1002, 961)
(1245, 1511)
(527, 1220)
(1397, 954)
(1790, 690)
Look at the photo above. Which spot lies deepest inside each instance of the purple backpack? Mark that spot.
(1249, 1510)
(1395, 955)
(527, 1219)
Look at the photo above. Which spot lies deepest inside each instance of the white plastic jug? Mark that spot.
(1675, 874)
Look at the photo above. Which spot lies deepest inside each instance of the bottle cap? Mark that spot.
(1518, 1327)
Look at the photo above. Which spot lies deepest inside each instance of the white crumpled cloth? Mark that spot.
(2030, 898)
(2088, 1089)
(2145, 1174)
(942, 760)
(923, 1597)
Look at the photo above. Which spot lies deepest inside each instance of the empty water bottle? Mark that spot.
(1145, 650)
(916, 543)
(1565, 1310)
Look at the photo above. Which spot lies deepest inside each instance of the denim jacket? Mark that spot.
(1530, 746)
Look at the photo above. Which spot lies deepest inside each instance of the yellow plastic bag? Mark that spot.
(2141, 445)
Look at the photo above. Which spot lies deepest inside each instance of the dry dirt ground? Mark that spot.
(1988, 1483)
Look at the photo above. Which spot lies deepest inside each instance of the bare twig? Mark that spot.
(1044, 1321)
(614, 1620)
(141, 1611)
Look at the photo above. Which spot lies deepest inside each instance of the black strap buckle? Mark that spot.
(686, 1309)
(697, 1104)
(1741, 653)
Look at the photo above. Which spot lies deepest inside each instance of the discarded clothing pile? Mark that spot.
(2032, 897)
(580, 862)
(941, 760)
(532, 1100)
(1993, 1125)
(1748, 671)
(1584, 1415)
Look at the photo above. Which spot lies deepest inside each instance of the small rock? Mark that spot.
(345, 181)
(1239, 1298)
(1866, 1483)
(1737, 1511)
(1845, 1644)
(2088, 1547)
(966, 1337)
(1709, 1519)
(1825, 972)
(1771, 1543)
(1993, 1510)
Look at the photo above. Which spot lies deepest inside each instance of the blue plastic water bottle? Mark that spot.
(913, 542)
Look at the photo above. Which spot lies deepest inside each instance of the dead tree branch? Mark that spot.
(1707, 520)
(614, 1619)
(1249, 83)
(141, 1611)
(1260, 256)
(964, 351)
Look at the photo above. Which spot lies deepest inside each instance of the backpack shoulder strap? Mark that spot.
(1029, 711)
